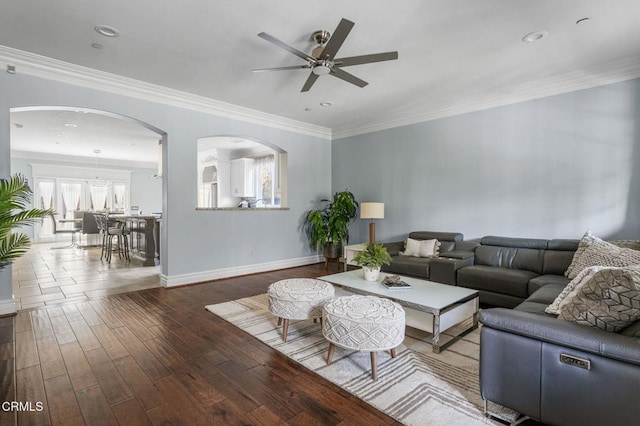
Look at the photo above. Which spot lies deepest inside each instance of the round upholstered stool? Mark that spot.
(298, 299)
(363, 323)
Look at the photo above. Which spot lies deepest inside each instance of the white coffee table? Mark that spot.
(429, 306)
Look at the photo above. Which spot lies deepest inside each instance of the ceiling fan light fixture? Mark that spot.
(322, 68)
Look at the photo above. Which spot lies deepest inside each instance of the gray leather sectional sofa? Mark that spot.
(556, 372)
(452, 246)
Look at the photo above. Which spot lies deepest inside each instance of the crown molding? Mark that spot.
(52, 69)
(600, 75)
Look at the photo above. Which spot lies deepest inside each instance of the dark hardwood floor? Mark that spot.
(157, 357)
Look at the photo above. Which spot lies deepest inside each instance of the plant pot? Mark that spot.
(371, 274)
(332, 251)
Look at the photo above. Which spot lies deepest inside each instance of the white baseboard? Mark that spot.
(8, 307)
(216, 274)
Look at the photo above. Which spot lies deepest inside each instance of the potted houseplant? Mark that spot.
(371, 259)
(328, 227)
(15, 196)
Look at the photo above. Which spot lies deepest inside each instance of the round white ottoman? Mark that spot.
(363, 323)
(298, 299)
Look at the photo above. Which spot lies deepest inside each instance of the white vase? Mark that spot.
(371, 274)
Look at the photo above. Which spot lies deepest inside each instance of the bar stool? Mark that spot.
(119, 231)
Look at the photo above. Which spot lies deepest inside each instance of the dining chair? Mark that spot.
(57, 230)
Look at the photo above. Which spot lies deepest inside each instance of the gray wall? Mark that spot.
(552, 167)
(195, 241)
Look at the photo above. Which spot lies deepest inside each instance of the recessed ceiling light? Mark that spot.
(534, 36)
(107, 30)
(70, 125)
(326, 104)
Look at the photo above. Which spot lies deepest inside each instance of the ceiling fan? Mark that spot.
(322, 60)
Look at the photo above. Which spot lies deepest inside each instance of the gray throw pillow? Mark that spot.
(592, 251)
(609, 300)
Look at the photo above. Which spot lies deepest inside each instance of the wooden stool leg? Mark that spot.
(285, 329)
(279, 321)
(393, 353)
(330, 353)
(326, 264)
(374, 365)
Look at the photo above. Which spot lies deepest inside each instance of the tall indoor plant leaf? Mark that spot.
(15, 196)
(330, 224)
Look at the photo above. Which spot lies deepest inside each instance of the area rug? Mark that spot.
(418, 387)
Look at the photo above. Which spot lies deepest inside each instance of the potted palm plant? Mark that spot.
(371, 259)
(328, 227)
(15, 196)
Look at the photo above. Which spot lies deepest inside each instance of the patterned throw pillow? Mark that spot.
(610, 300)
(592, 251)
(584, 275)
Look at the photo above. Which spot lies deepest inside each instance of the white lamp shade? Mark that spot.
(371, 210)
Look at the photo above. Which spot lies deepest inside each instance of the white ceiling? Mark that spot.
(79, 134)
(452, 53)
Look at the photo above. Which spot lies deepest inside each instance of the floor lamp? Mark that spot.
(372, 211)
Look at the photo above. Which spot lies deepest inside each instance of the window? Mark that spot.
(71, 197)
(264, 171)
(120, 198)
(68, 189)
(46, 194)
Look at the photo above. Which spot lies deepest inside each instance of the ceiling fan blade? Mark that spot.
(307, 84)
(293, 67)
(366, 59)
(337, 38)
(286, 47)
(343, 75)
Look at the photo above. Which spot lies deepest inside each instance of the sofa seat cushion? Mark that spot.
(538, 301)
(408, 265)
(514, 282)
(538, 282)
(546, 294)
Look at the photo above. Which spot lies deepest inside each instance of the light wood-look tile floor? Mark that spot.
(45, 277)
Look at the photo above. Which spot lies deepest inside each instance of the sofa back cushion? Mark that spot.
(513, 253)
(447, 239)
(558, 256)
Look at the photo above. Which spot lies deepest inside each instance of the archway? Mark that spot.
(58, 144)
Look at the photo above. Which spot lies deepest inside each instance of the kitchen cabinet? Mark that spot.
(242, 178)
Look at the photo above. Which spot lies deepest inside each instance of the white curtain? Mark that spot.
(119, 192)
(70, 198)
(45, 190)
(264, 173)
(98, 196)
